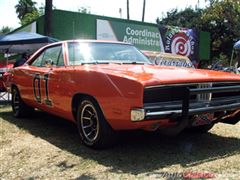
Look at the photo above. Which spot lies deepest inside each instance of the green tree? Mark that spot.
(24, 7)
(188, 17)
(221, 18)
(5, 30)
(41, 9)
(84, 10)
(29, 17)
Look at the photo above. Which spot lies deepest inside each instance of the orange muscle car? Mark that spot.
(110, 86)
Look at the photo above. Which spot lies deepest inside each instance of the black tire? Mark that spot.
(94, 130)
(20, 109)
(202, 128)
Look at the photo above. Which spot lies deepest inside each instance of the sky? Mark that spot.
(154, 8)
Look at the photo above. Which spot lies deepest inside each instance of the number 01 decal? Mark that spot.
(37, 88)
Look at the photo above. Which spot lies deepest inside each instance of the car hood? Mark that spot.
(155, 75)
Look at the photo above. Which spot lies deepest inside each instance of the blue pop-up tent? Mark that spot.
(23, 42)
(237, 45)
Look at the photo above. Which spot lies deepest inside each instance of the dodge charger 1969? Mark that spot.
(106, 87)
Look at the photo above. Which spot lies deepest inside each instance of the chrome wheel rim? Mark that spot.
(16, 101)
(89, 122)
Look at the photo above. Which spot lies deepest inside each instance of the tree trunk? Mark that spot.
(48, 18)
(128, 9)
(143, 14)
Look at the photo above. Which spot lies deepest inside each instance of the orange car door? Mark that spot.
(55, 95)
(40, 77)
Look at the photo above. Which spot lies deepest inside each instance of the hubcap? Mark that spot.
(89, 122)
(16, 101)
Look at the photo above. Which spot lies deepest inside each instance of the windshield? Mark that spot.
(97, 53)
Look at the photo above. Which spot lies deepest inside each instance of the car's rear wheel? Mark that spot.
(94, 130)
(20, 109)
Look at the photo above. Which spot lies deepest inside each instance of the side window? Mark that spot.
(38, 62)
(53, 53)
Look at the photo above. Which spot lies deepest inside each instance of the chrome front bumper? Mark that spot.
(187, 107)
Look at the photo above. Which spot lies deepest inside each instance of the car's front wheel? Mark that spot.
(94, 130)
(20, 109)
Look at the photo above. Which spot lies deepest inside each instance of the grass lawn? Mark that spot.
(47, 147)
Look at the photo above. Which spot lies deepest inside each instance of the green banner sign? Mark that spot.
(143, 37)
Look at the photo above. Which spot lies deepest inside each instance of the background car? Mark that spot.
(4, 67)
(105, 87)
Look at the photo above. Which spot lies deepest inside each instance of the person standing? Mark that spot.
(21, 60)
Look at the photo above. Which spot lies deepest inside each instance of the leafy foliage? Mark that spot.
(186, 18)
(27, 11)
(5, 30)
(24, 7)
(29, 17)
(221, 18)
(84, 10)
(41, 9)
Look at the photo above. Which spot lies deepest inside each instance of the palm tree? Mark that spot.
(48, 18)
(25, 6)
(143, 14)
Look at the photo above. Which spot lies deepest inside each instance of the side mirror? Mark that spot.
(49, 63)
